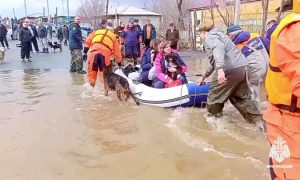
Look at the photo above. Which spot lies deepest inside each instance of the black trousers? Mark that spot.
(35, 44)
(25, 50)
(147, 42)
(2, 40)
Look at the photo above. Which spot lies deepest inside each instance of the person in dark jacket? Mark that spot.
(172, 34)
(35, 35)
(75, 46)
(131, 36)
(25, 40)
(148, 59)
(3, 33)
(66, 34)
(60, 35)
(49, 31)
(139, 29)
(149, 33)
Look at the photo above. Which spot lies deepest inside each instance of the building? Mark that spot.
(250, 14)
(124, 13)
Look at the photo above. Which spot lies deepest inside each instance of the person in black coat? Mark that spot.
(25, 40)
(34, 34)
(3, 33)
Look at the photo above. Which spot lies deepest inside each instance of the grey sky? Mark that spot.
(36, 6)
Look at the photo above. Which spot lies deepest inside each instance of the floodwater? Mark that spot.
(53, 126)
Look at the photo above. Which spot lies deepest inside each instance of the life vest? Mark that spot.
(278, 86)
(105, 37)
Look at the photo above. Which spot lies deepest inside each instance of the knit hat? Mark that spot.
(164, 44)
(234, 29)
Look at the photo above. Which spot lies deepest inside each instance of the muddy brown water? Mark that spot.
(54, 127)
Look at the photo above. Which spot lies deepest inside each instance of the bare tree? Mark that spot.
(91, 10)
(278, 18)
(265, 6)
(225, 11)
(180, 16)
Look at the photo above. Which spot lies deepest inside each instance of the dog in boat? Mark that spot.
(173, 61)
(55, 46)
(2, 54)
(115, 82)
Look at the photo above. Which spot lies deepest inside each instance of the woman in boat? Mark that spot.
(161, 66)
(148, 60)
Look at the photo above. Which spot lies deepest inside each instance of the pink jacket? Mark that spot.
(160, 69)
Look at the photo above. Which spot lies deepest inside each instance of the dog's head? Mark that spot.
(50, 44)
(2, 53)
(172, 58)
(2, 49)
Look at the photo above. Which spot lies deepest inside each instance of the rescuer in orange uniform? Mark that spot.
(283, 87)
(101, 44)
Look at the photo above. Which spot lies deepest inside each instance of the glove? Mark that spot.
(84, 57)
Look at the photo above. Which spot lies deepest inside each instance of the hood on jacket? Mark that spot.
(241, 37)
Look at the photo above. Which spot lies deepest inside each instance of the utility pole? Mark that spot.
(68, 10)
(107, 2)
(25, 8)
(237, 11)
(48, 7)
(14, 12)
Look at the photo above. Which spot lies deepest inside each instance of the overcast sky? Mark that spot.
(36, 6)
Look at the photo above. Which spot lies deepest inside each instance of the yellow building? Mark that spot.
(250, 14)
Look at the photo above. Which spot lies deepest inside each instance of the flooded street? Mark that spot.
(54, 127)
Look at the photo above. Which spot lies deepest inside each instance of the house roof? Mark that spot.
(202, 4)
(131, 10)
(287, 6)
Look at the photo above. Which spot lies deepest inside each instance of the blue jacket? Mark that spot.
(153, 33)
(270, 31)
(146, 60)
(75, 36)
(244, 36)
(131, 36)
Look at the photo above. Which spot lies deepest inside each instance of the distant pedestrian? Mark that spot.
(42, 34)
(75, 46)
(25, 41)
(149, 33)
(35, 35)
(3, 33)
(172, 35)
(49, 31)
(60, 34)
(66, 34)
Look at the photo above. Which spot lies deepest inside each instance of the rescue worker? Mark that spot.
(229, 80)
(255, 49)
(282, 115)
(131, 36)
(75, 46)
(101, 44)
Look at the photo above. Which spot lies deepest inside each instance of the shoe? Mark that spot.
(81, 72)
(28, 60)
(23, 61)
(72, 71)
